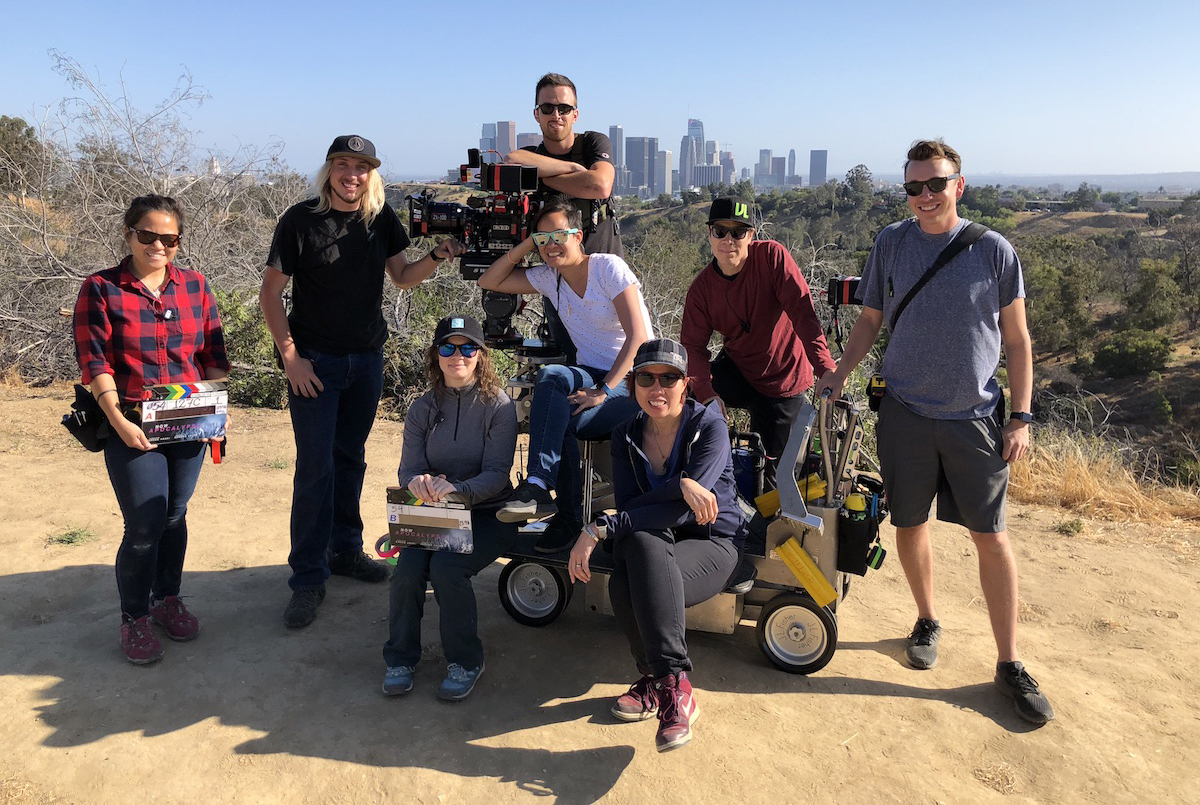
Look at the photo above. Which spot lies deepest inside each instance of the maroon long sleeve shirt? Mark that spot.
(766, 318)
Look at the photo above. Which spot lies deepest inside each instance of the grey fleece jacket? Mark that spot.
(456, 434)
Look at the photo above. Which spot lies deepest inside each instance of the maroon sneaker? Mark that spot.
(639, 703)
(173, 616)
(138, 642)
(677, 711)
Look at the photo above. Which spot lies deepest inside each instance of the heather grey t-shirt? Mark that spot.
(942, 357)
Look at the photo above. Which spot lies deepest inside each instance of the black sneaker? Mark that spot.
(922, 644)
(358, 566)
(1015, 682)
(560, 535)
(302, 609)
(742, 580)
(528, 502)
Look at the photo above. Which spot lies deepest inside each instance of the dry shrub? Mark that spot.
(1094, 475)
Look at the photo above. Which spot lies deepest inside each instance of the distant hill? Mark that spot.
(1179, 181)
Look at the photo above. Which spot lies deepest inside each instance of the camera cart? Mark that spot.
(795, 550)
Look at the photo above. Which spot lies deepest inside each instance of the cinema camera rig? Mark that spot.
(488, 225)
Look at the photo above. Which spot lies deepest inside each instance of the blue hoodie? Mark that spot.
(706, 458)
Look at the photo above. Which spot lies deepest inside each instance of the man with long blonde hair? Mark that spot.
(335, 249)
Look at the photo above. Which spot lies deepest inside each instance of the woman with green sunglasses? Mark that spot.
(599, 301)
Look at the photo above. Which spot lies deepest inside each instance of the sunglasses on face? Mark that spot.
(667, 380)
(466, 350)
(146, 237)
(559, 236)
(738, 232)
(563, 109)
(936, 185)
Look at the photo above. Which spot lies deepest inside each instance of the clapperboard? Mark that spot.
(184, 412)
(434, 526)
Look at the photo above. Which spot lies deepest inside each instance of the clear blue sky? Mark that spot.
(1017, 87)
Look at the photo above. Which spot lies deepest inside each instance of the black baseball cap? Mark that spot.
(352, 145)
(465, 326)
(731, 208)
(661, 351)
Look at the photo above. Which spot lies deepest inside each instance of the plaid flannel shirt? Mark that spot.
(121, 329)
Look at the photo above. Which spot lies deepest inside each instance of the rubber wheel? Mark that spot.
(533, 594)
(797, 635)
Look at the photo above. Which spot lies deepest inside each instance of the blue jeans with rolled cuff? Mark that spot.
(331, 432)
(553, 429)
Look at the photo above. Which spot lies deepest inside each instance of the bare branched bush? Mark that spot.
(98, 151)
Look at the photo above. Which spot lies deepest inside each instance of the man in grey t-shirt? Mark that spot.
(939, 436)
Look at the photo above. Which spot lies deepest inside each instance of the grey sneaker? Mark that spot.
(1030, 703)
(459, 682)
(923, 643)
(398, 680)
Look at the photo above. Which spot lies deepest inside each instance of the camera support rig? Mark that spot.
(488, 225)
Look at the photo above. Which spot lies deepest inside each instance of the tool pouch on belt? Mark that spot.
(876, 388)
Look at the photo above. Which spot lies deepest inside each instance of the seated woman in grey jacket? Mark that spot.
(459, 440)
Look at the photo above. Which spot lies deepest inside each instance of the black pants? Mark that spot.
(654, 578)
(770, 417)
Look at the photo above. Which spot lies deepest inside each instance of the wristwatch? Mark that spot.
(1021, 416)
(597, 531)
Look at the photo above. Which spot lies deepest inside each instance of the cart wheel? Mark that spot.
(533, 594)
(797, 635)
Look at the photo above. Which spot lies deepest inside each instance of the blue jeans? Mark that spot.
(553, 430)
(331, 432)
(451, 576)
(153, 489)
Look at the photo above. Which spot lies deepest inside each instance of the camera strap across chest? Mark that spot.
(968, 235)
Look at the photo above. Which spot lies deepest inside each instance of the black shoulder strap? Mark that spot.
(969, 234)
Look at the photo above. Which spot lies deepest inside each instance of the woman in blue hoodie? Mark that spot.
(675, 536)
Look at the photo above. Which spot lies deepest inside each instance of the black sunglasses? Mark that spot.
(738, 232)
(936, 185)
(466, 350)
(563, 109)
(667, 379)
(146, 237)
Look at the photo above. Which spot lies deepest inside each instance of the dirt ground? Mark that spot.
(251, 712)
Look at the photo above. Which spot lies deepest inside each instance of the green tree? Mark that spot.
(1155, 300)
(1062, 279)
(20, 154)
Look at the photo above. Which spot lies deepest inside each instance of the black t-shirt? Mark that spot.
(337, 270)
(602, 235)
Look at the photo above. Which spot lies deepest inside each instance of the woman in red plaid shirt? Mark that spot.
(143, 322)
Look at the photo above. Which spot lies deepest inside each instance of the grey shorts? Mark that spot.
(957, 461)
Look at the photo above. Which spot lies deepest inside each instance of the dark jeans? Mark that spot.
(553, 430)
(654, 578)
(331, 432)
(770, 417)
(451, 576)
(153, 489)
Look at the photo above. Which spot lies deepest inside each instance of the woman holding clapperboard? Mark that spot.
(146, 322)
(459, 440)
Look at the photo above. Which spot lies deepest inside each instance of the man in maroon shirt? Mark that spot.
(753, 294)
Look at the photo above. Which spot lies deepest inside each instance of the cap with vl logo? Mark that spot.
(731, 208)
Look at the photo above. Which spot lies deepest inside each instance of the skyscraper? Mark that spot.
(527, 138)
(617, 135)
(816, 167)
(506, 136)
(662, 173)
(638, 160)
(696, 132)
(687, 161)
(487, 142)
(712, 152)
(791, 163)
(779, 170)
